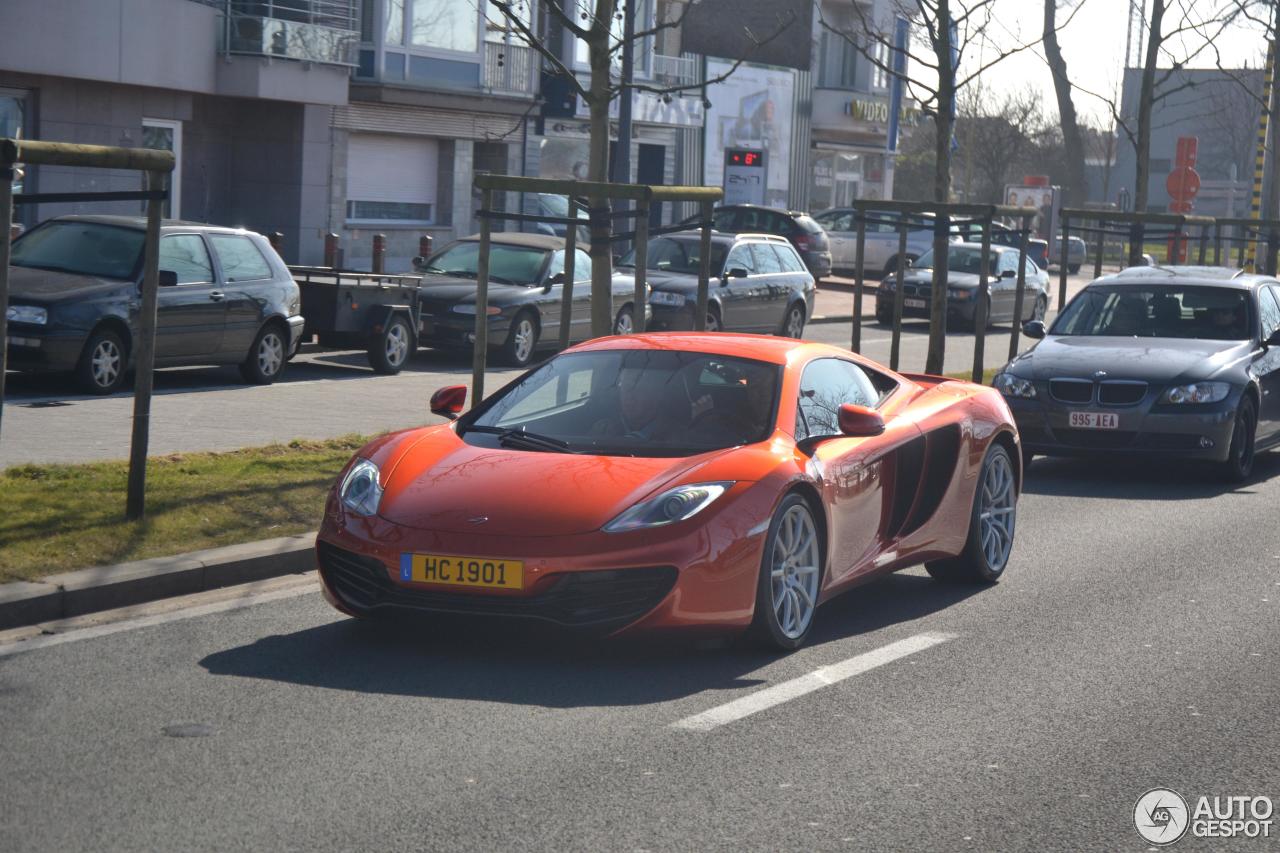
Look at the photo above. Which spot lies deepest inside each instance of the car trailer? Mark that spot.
(379, 313)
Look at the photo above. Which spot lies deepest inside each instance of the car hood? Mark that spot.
(50, 285)
(676, 282)
(954, 279)
(462, 291)
(440, 482)
(1156, 360)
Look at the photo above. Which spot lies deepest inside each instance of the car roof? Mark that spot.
(746, 206)
(1186, 274)
(140, 222)
(729, 236)
(769, 348)
(522, 238)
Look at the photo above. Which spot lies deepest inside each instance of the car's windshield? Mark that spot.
(84, 248)
(959, 259)
(512, 264)
(636, 403)
(684, 256)
(1158, 311)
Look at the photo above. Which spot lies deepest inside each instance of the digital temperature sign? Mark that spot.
(738, 157)
(745, 176)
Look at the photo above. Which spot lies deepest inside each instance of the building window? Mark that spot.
(14, 108)
(167, 136)
(499, 28)
(433, 24)
(643, 21)
(839, 63)
(395, 22)
(880, 77)
(391, 180)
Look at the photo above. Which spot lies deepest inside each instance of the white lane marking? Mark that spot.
(816, 680)
(89, 633)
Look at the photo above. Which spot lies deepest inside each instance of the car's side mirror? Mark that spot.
(736, 272)
(1008, 273)
(1274, 340)
(418, 263)
(168, 278)
(558, 278)
(1033, 329)
(911, 262)
(858, 420)
(448, 401)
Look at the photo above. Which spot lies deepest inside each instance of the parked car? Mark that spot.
(1155, 361)
(526, 284)
(74, 284)
(800, 229)
(558, 206)
(1077, 254)
(667, 483)
(1005, 235)
(880, 244)
(758, 283)
(964, 265)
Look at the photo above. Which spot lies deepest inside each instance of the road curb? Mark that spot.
(832, 318)
(106, 587)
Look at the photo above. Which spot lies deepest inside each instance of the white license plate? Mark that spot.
(1094, 420)
(914, 303)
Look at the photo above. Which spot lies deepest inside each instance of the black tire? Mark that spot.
(1041, 309)
(389, 352)
(793, 321)
(102, 364)
(714, 323)
(884, 318)
(265, 360)
(1239, 463)
(522, 340)
(972, 323)
(978, 563)
(1072, 269)
(624, 323)
(1027, 458)
(767, 626)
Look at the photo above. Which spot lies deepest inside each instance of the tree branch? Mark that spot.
(534, 42)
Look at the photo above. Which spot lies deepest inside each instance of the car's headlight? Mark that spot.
(27, 314)
(959, 294)
(490, 310)
(662, 297)
(360, 491)
(1197, 392)
(1015, 386)
(669, 507)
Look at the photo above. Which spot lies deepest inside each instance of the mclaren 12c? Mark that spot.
(708, 483)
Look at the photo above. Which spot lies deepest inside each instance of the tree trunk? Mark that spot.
(598, 170)
(1075, 191)
(1146, 96)
(944, 121)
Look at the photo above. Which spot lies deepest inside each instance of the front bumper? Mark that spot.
(956, 309)
(1199, 432)
(452, 331)
(34, 348)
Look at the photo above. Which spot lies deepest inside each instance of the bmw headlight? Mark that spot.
(1197, 392)
(1015, 386)
(669, 507)
(491, 310)
(360, 491)
(662, 297)
(27, 314)
(959, 294)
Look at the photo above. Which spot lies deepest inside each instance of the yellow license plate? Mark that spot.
(454, 570)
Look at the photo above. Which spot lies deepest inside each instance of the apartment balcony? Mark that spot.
(324, 31)
(510, 69)
(676, 70)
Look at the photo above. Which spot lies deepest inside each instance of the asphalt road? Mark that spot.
(1133, 643)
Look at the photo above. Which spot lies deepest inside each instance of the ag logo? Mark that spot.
(1161, 816)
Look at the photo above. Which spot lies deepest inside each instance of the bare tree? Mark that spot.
(935, 71)
(998, 138)
(596, 23)
(1074, 189)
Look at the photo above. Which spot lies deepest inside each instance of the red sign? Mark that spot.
(1183, 183)
(744, 158)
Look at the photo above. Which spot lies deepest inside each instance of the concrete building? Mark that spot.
(1210, 105)
(242, 92)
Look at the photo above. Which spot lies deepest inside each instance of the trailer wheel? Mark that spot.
(389, 351)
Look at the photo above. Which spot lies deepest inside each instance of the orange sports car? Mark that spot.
(689, 481)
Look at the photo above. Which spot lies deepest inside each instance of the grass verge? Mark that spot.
(55, 518)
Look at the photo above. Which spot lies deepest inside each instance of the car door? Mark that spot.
(856, 472)
(551, 302)
(1004, 285)
(1267, 366)
(840, 236)
(1033, 287)
(737, 312)
(245, 277)
(190, 315)
(771, 291)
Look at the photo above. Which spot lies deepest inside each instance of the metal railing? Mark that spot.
(324, 31)
(509, 68)
(674, 70)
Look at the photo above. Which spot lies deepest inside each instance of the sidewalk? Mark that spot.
(833, 302)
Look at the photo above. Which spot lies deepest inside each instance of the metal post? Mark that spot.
(858, 280)
(1136, 243)
(980, 308)
(379, 253)
(1066, 262)
(6, 223)
(570, 274)
(1217, 244)
(276, 239)
(704, 269)
(1204, 244)
(1020, 296)
(482, 300)
(1273, 247)
(424, 246)
(144, 361)
(642, 261)
(1097, 259)
(331, 250)
(1240, 248)
(898, 291)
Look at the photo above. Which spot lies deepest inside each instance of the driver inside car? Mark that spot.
(647, 407)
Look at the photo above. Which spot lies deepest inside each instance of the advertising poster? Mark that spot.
(753, 109)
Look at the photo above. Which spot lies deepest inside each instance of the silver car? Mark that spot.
(880, 251)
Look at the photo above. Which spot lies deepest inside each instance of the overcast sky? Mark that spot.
(1093, 45)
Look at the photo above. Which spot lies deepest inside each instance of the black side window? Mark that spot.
(825, 385)
(1269, 308)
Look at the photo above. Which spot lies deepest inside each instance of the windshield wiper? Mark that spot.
(471, 274)
(522, 438)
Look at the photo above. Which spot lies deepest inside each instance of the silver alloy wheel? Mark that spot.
(105, 363)
(794, 573)
(713, 322)
(623, 325)
(795, 322)
(1041, 309)
(524, 339)
(397, 344)
(997, 512)
(270, 354)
